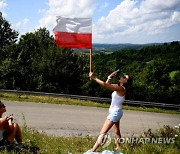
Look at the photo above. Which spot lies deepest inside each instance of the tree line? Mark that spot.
(33, 62)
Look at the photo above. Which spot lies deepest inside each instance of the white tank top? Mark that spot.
(117, 101)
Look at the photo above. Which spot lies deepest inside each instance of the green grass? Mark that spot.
(68, 101)
(44, 144)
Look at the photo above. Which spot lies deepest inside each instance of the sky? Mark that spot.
(113, 21)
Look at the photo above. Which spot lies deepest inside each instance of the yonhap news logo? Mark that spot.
(169, 136)
(142, 140)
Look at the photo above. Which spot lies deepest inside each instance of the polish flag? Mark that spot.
(73, 32)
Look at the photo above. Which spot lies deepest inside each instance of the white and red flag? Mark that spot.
(73, 32)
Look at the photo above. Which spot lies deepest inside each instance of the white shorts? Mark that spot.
(115, 114)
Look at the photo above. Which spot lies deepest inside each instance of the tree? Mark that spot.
(175, 88)
(8, 68)
(60, 71)
(31, 48)
(8, 36)
(36, 63)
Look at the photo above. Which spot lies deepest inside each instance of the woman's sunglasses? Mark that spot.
(124, 77)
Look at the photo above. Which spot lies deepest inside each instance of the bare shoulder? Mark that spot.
(3, 120)
(121, 91)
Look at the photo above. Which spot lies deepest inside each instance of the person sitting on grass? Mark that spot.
(9, 130)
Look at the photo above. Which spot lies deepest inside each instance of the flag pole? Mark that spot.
(90, 60)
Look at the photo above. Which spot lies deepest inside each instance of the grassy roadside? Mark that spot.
(68, 101)
(41, 143)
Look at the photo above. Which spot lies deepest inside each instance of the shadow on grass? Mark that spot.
(19, 148)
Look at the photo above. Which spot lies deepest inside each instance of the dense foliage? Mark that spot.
(35, 63)
(155, 70)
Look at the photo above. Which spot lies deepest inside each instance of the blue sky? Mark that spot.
(114, 21)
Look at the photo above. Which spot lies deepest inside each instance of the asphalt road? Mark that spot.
(68, 120)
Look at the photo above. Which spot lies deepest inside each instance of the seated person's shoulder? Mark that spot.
(3, 120)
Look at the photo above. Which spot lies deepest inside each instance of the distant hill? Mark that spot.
(103, 47)
(115, 47)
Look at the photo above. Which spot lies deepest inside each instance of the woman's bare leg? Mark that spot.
(16, 133)
(117, 133)
(107, 125)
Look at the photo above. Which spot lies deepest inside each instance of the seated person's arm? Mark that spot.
(6, 124)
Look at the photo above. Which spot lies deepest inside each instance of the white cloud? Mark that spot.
(176, 17)
(123, 15)
(131, 20)
(22, 24)
(66, 8)
(3, 5)
(159, 5)
(136, 20)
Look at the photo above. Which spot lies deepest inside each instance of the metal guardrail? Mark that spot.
(97, 99)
